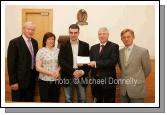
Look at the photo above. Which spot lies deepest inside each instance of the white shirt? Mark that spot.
(103, 44)
(75, 46)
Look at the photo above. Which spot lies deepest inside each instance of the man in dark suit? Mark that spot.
(104, 57)
(72, 72)
(21, 64)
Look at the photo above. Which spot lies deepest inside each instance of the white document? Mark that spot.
(83, 60)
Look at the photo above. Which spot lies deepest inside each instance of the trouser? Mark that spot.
(126, 99)
(103, 93)
(25, 94)
(104, 96)
(49, 91)
(69, 90)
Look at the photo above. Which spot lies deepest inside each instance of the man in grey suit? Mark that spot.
(135, 66)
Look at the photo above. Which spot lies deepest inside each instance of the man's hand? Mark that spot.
(15, 86)
(92, 64)
(79, 65)
(78, 73)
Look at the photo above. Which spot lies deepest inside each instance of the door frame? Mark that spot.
(50, 11)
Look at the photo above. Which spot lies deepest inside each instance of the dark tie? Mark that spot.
(101, 49)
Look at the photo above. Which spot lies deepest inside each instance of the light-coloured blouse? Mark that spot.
(49, 58)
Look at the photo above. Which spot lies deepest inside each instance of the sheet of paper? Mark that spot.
(83, 60)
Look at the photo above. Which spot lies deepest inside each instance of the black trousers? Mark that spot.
(104, 93)
(49, 91)
(26, 94)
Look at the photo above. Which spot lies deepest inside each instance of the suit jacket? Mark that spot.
(19, 61)
(65, 59)
(137, 69)
(105, 62)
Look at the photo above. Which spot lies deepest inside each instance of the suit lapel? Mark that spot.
(122, 56)
(80, 48)
(97, 51)
(34, 47)
(69, 49)
(24, 45)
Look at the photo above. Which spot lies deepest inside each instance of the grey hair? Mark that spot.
(28, 23)
(103, 29)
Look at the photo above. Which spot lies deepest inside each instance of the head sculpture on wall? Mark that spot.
(82, 17)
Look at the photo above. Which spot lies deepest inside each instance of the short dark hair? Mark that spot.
(74, 26)
(46, 36)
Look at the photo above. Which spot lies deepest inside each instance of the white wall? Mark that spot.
(115, 18)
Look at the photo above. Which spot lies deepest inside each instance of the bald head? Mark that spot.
(28, 29)
(103, 34)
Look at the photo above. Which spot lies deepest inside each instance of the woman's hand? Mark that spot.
(55, 74)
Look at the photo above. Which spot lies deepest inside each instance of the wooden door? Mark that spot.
(42, 18)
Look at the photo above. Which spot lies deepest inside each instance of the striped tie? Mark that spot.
(30, 47)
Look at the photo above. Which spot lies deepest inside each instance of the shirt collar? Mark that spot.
(103, 44)
(25, 38)
(130, 47)
(72, 42)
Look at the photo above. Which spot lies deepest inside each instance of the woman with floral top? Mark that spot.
(47, 65)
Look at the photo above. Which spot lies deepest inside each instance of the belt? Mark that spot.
(49, 82)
